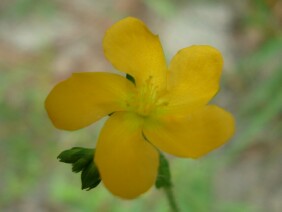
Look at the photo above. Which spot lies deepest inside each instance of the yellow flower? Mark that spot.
(165, 109)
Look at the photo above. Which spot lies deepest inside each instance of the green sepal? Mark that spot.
(82, 161)
(164, 177)
(130, 78)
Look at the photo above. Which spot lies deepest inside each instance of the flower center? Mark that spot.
(147, 99)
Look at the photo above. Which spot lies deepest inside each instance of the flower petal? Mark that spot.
(86, 97)
(194, 75)
(132, 48)
(193, 136)
(127, 163)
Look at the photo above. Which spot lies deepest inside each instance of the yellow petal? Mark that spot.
(86, 97)
(127, 163)
(193, 136)
(132, 48)
(194, 75)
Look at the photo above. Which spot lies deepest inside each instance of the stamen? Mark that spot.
(147, 99)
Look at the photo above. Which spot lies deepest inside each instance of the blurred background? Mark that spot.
(44, 41)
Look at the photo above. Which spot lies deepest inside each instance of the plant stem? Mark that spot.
(171, 199)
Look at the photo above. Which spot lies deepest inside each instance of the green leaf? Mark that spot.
(74, 154)
(82, 161)
(90, 177)
(80, 164)
(164, 177)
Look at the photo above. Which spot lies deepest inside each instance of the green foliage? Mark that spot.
(82, 161)
(164, 8)
(21, 8)
(90, 177)
(164, 177)
(260, 106)
(268, 53)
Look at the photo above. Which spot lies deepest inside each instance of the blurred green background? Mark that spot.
(43, 41)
